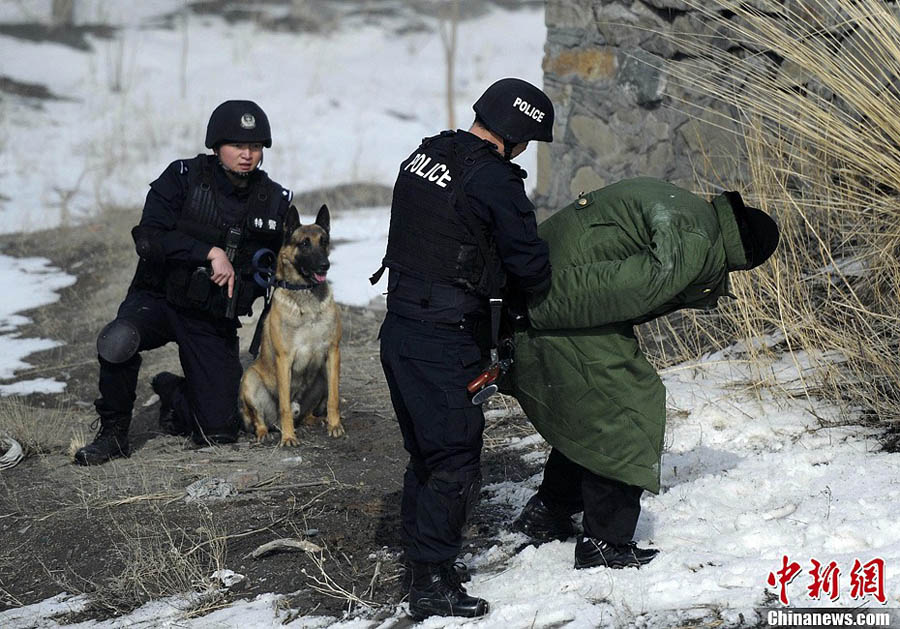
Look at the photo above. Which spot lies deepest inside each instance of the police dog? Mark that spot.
(299, 357)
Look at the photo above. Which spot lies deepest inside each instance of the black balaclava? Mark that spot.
(759, 232)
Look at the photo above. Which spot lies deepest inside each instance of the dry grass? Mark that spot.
(160, 561)
(320, 580)
(812, 90)
(504, 420)
(40, 430)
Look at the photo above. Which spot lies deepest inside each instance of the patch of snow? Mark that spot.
(26, 283)
(35, 385)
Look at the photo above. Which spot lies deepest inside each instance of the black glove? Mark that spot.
(515, 311)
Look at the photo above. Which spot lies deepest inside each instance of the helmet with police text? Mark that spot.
(237, 122)
(517, 111)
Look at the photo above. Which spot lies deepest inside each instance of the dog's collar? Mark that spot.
(291, 286)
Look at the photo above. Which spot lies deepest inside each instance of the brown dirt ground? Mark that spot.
(100, 530)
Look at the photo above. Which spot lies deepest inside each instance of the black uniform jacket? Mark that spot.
(166, 199)
(496, 196)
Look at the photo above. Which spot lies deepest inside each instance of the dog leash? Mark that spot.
(272, 285)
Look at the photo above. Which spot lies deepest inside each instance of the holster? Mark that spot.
(193, 289)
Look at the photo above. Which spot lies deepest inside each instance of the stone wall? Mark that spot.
(618, 115)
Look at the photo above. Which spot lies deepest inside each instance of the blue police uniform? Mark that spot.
(437, 289)
(187, 206)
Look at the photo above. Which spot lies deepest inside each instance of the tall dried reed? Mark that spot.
(811, 88)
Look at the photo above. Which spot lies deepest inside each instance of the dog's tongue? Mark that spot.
(319, 277)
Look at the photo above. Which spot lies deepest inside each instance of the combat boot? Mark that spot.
(591, 552)
(111, 442)
(542, 524)
(462, 572)
(164, 384)
(437, 591)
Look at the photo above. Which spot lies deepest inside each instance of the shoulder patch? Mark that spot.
(182, 167)
(287, 194)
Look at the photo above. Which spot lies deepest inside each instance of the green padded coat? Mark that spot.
(621, 255)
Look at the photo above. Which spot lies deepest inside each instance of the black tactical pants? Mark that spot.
(206, 403)
(427, 367)
(611, 508)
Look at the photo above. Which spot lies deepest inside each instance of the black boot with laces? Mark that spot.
(591, 552)
(462, 572)
(436, 591)
(543, 524)
(111, 442)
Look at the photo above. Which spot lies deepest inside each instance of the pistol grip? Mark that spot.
(484, 378)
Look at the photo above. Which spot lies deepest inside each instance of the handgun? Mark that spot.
(232, 242)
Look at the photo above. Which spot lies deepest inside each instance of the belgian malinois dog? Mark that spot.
(299, 355)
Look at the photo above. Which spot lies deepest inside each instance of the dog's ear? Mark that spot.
(291, 222)
(323, 218)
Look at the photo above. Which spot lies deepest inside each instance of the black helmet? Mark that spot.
(238, 121)
(517, 111)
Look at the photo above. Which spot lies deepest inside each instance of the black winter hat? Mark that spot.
(517, 111)
(238, 121)
(759, 232)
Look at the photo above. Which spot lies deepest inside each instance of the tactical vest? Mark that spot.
(209, 216)
(428, 238)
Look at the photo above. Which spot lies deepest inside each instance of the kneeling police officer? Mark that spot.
(204, 222)
(462, 231)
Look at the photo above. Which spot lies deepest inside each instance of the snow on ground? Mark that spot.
(747, 481)
(346, 105)
(26, 283)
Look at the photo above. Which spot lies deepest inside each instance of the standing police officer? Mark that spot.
(462, 229)
(203, 222)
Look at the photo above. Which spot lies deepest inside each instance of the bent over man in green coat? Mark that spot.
(621, 255)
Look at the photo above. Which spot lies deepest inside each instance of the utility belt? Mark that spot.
(414, 297)
(474, 327)
(191, 288)
(466, 325)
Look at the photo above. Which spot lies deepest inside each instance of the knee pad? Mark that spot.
(118, 341)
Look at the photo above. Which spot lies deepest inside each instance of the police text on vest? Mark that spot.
(436, 173)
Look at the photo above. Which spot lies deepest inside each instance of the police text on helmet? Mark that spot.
(529, 110)
(436, 173)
